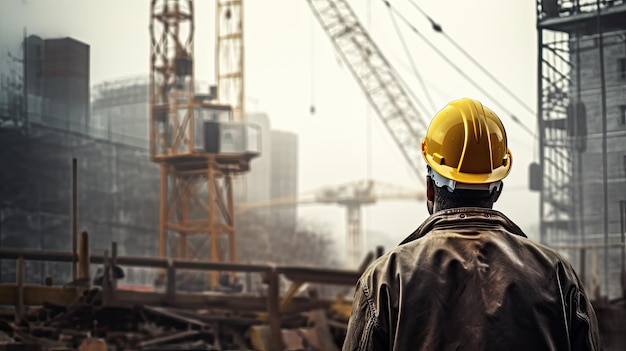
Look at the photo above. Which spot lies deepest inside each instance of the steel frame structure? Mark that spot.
(188, 176)
(572, 43)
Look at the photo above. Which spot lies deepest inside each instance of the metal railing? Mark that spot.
(21, 295)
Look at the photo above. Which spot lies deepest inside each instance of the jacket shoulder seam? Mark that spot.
(372, 321)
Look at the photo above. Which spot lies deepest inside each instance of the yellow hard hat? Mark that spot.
(466, 142)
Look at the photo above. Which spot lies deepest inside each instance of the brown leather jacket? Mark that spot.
(469, 279)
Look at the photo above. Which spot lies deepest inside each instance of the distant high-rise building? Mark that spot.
(284, 181)
(57, 79)
(260, 175)
(273, 175)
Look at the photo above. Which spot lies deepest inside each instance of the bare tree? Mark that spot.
(309, 244)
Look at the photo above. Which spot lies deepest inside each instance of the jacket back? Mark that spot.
(469, 279)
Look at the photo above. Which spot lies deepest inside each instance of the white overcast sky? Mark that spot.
(291, 64)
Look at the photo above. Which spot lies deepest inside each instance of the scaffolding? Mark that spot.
(581, 84)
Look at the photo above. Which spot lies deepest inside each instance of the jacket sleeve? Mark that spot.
(582, 323)
(584, 331)
(364, 328)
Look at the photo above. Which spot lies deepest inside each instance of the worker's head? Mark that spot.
(467, 156)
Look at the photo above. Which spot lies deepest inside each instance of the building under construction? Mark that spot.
(119, 110)
(116, 187)
(582, 127)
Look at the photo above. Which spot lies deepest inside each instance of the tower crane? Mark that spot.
(376, 77)
(352, 195)
(394, 106)
(229, 56)
(195, 141)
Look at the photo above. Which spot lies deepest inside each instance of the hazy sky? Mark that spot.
(291, 64)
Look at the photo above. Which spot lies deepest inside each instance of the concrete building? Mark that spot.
(273, 175)
(118, 185)
(57, 80)
(284, 182)
(258, 180)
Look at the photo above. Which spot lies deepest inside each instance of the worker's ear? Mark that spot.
(498, 192)
(430, 195)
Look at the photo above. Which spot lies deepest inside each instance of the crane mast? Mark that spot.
(375, 76)
(229, 58)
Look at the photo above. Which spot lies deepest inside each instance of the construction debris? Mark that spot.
(286, 312)
(88, 324)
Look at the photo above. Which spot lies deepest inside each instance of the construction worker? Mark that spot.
(468, 278)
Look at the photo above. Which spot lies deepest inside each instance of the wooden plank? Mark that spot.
(260, 337)
(34, 295)
(83, 257)
(294, 288)
(273, 310)
(19, 303)
(172, 314)
(168, 338)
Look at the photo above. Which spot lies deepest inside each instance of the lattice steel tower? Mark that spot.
(196, 143)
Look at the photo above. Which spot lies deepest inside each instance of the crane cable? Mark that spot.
(437, 28)
(411, 61)
(456, 68)
(312, 106)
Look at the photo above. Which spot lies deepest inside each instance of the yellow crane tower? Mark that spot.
(196, 141)
(352, 195)
(229, 58)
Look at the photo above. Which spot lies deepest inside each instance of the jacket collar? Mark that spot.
(463, 215)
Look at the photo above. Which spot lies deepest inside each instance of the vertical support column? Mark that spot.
(83, 257)
(113, 266)
(541, 136)
(184, 211)
(163, 212)
(273, 310)
(74, 219)
(214, 242)
(605, 171)
(353, 240)
(19, 280)
(231, 218)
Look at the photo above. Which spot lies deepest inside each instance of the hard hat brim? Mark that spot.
(471, 178)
